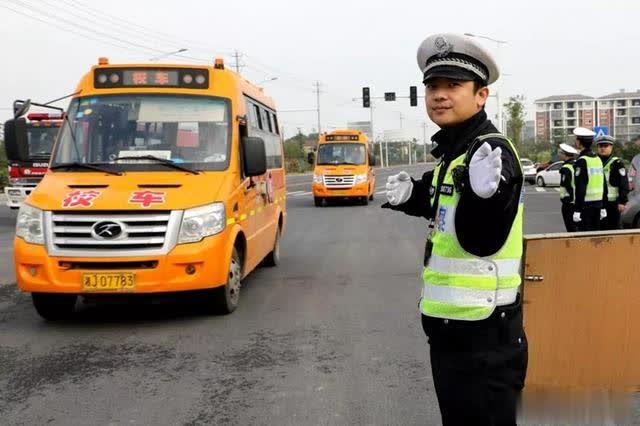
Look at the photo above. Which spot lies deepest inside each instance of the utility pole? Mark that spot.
(373, 134)
(401, 120)
(317, 85)
(237, 55)
(424, 139)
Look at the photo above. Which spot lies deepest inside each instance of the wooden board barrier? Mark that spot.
(582, 318)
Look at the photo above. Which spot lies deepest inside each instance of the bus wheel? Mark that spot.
(226, 298)
(317, 201)
(54, 307)
(371, 197)
(365, 201)
(273, 258)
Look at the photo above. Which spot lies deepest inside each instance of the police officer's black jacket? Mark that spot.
(566, 182)
(618, 178)
(482, 225)
(581, 180)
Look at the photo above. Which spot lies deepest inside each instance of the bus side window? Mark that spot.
(276, 129)
(256, 111)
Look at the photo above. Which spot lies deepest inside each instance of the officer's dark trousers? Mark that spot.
(567, 217)
(612, 221)
(590, 219)
(478, 367)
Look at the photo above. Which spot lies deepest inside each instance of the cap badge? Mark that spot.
(443, 47)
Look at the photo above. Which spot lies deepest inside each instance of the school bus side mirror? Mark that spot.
(311, 158)
(255, 156)
(16, 142)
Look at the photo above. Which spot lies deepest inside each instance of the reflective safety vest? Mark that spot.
(612, 191)
(563, 191)
(458, 284)
(595, 186)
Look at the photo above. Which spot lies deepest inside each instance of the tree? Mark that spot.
(515, 122)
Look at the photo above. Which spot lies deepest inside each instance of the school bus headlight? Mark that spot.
(201, 222)
(29, 225)
(102, 78)
(317, 179)
(361, 178)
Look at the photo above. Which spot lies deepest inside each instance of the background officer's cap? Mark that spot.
(568, 149)
(605, 139)
(457, 57)
(584, 133)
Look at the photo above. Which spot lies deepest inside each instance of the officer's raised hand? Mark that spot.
(577, 217)
(484, 170)
(399, 188)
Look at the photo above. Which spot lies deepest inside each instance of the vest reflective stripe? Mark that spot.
(563, 191)
(612, 191)
(595, 186)
(457, 284)
(477, 266)
(469, 297)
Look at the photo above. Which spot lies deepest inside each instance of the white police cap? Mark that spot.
(583, 133)
(568, 149)
(457, 57)
(605, 139)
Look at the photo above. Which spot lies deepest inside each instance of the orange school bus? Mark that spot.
(164, 178)
(343, 167)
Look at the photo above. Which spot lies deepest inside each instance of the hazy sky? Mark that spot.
(554, 47)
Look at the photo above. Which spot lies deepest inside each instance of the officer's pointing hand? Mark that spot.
(399, 188)
(484, 170)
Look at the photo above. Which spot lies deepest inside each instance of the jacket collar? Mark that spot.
(455, 140)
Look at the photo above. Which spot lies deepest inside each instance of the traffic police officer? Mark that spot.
(590, 185)
(470, 304)
(616, 180)
(567, 154)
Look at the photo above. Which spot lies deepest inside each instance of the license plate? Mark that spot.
(109, 281)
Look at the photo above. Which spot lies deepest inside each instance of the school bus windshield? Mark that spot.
(41, 141)
(341, 153)
(184, 129)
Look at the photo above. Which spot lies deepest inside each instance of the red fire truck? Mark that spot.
(42, 130)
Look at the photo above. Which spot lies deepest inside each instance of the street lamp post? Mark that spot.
(164, 55)
(498, 43)
(268, 80)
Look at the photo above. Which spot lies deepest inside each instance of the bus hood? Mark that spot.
(340, 169)
(131, 191)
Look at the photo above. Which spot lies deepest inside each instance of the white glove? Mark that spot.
(603, 213)
(399, 188)
(577, 217)
(484, 170)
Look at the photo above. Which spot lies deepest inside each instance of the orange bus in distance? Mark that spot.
(343, 167)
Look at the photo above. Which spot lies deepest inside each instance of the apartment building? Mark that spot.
(558, 115)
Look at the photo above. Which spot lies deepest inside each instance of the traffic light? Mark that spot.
(366, 97)
(413, 96)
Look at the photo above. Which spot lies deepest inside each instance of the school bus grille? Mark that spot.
(336, 181)
(115, 233)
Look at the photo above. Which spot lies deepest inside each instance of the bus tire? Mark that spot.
(371, 197)
(365, 201)
(226, 298)
(54, 307)
(273, 258)
(317, 201)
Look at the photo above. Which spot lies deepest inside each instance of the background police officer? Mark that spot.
(590, 185)
(617, 183)
(470, 305)
(567, 154)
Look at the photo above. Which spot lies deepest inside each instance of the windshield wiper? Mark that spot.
(164, 161)
(89, 166)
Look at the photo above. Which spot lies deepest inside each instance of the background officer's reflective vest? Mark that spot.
(612, 191)
(563, 191)
(595, 186)
(457, 284)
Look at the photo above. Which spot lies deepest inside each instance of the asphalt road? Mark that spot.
(332, 336)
